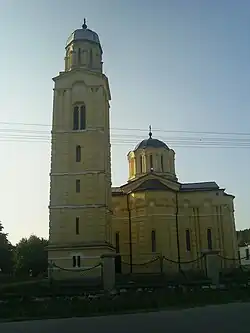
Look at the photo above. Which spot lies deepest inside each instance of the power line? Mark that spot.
(124, 137)
(195, 141)
(119, 142)
(47, 134)
(141, 130)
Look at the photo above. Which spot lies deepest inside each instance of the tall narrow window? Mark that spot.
(151, 162)
(247, 254)
(162, 164)
(91, 58)
(132, 167)
(188, 241)
(78, 186)
(78, 261)
(74, 261)
(82, 117)
(78, 153)
(209, 239)
(141, 164)
(153, 241)
(76, 118)
(77, 225)
(79, 56)
(117, 242)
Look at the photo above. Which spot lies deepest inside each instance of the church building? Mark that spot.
(151, 216)
(154, 215)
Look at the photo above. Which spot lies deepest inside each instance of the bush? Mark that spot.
(54, 307)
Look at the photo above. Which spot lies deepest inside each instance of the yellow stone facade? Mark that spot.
(151, 215)
(155, 215)
(80, 188)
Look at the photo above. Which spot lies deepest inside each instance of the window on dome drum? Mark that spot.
(78, 153)
(209, 239)
(91, 58)
(78, 186)
(117, 242)
(153, 241)
(132, 167)
(141, 163)
(79, 56)
(77, 226)
(76, 118)
(162, 165)
(82, 117)
(188, 242)
(151, 162)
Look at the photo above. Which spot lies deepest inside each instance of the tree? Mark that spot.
(6, 252)
(31, 256)
(243, 237)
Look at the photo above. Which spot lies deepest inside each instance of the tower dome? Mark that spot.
(83, 34)
(83, 50)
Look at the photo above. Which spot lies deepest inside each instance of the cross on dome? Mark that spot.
(84, 26)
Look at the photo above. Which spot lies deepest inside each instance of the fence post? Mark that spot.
(108, 271)
(213, 266)
(161, 263)
(50, 271)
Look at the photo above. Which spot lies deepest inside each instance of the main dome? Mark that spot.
(151, 143)
(83, 34)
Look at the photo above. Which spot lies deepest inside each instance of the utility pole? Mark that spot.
(177, 230)
(130, 235)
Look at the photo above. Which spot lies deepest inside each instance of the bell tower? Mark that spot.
(80, 179)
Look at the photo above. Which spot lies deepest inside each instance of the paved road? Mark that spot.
(216, 319)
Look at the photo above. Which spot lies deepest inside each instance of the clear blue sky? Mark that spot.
(178, 65)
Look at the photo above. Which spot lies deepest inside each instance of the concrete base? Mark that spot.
(213, 264)
(108, 272)
(61, 260)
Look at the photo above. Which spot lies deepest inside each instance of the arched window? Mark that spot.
(76, 118)
(141, 164)
(78, 261)
(79, 117)
(74, 261)
(153, 241)
(78, 153)
(162, 164)
(151, 163)
(82, 117)
(209, 239)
